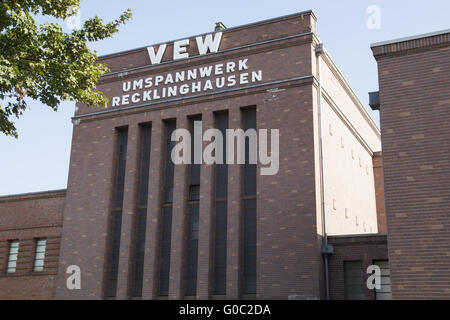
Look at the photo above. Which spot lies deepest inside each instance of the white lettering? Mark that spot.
(180, 50)
(205, 72)
(218, 69)
(256, 76)
(230, 66)
(244, 78)
(156, 58)
(243, 64)
(137, 84)
(136, 98)
(209, 43)
(116, 101)
(126, 86)
(148, 82)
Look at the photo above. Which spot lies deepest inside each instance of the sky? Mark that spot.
(39, 159)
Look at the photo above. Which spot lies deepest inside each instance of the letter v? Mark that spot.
(156, 58)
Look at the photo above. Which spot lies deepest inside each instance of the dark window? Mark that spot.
(166, 234)
(385, 292)
(169, 166)
(220, 232)
(192, 253)
(193, 208)
(249, 210)
(249, 169)
(194, 169)
(250, 246)
(353, 280)
(116, 223)
(141, 212)
(221, 123)
(220, 249)
(164, 271)
(146, 145)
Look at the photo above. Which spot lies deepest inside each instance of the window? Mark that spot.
(116, 214)
(166, 232)
(169, 167)
(385, 292)
(249, 210)
(12, 259)
(250, 246)
(353, 280)
(164, 271)
(193, 212)
(140, 223)
(192, 254)
(220, 232)
(39, 257)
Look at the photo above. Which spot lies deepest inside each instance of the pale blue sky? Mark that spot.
(39, 159)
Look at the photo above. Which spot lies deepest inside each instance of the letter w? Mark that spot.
(209, 43)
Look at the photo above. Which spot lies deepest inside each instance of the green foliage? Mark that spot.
(43, 62)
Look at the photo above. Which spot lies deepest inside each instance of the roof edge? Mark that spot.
(404, 39)
(31, 194)
(206, 33)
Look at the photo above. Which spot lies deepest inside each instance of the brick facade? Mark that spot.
(379, 191)
(303, 94)
(415, 119)
(26, 218)
(288, 218)
(365, 248)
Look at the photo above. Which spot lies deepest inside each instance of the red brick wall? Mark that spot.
(379, 191)
(287, 234)
(353, 248)
(27, 218)
(415, 120)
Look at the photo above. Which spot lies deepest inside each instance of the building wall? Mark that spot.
(365, 248)
(350, 138)
(287, 240)
(414, 100)
(289, 231)
(27, 218)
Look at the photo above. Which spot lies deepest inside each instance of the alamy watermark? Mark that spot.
(73, 282)
(374, 280)
(258, 147)
(374, 19)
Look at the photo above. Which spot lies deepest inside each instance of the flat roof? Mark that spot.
(415, 37)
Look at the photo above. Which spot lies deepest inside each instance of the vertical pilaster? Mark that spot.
(205, 248)
(234, 235)
(150, 283)
(178, 243)
(128, 214)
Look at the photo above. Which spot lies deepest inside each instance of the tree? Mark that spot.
(43, 62)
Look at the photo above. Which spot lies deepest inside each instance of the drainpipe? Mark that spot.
(326, 248)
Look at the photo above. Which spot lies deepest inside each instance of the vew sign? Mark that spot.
(205, 44)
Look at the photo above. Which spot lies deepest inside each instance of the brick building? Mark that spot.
(414, 100)
(26, 221)
(141, 227)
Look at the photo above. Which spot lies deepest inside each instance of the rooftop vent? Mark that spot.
(219, 26)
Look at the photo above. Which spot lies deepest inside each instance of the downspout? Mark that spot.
(326, 248)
